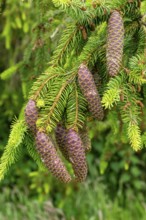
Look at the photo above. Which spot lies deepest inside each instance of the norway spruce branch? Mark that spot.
(76, 9)
(55, 103)
(131, 27)
(76, 109)
(102, 11)
(131, 41)
(71, 39)
(13, 148)
(130, 111)
(131, 8)
(111, 95)
(94, 47)
(128, 8)
(114, 4)
(137, 65)
(40, 87)
(134, 135)
(141, 41)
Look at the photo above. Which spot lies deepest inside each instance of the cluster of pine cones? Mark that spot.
(73, 145)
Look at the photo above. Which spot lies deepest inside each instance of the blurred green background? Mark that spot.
(116, 185)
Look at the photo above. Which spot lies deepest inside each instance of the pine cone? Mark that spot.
(50, 157)
(90, 92)
(31, 115)
(85, 139)
(77, 155)
(115, 41)
(60, 134)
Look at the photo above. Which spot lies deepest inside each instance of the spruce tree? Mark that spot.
(96, 72)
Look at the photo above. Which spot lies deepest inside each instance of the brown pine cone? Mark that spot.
(50, 157)
(31, 115)
(115, 42)
(60, 134)
(77, 155)
(90, 92)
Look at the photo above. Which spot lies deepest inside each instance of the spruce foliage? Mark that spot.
(54, 86)
(13, 148)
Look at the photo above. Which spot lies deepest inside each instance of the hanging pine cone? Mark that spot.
(90, 92)
(77, 155)
(115, 41)
(60, 134)
(85, 139)
(31, 115)
(50, 157)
